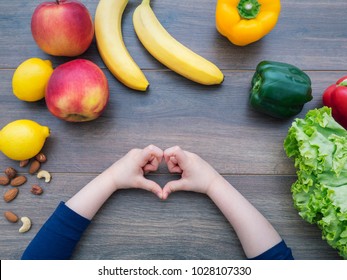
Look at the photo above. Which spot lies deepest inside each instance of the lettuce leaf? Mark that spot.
(318, 145)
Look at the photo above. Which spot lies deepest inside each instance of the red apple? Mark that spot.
(77, 91)
(62, 28)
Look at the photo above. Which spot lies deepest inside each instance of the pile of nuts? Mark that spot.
(11, 177)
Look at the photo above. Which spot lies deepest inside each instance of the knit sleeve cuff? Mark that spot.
(278, 252)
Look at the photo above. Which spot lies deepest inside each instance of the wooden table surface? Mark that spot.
(215, 122)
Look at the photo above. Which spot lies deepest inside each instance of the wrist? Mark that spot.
(216, 185)
(110, 178)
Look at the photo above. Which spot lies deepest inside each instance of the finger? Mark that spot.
(170, 152)
(151, 155)
(177, 153)
(152, 165)
(149, 168)
(173, 166)
(176, 159)
(173, 186)
(151, 186)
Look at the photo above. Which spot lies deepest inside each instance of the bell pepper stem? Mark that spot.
(248, 9)
(343, 83)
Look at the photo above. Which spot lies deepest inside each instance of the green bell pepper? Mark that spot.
(280, 89)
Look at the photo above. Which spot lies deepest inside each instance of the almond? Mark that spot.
(23, 163)
(41, 157)
(4, 180)
(34, 167)
(18, 181)
(11, 217)
(11, 194)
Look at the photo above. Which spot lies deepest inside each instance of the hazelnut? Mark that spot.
(10, 172)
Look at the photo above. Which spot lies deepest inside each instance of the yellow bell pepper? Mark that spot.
(246, 21)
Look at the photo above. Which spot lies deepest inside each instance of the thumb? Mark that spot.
(173, 186)
(151, 186)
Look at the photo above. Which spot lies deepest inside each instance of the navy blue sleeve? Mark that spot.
(58, 237)
(278, 252)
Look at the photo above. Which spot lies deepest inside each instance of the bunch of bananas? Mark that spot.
(158, 42)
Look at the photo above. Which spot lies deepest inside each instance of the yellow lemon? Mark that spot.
(22, 139)
(30, 79)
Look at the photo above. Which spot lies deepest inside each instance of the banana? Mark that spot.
(160, 44)
(110, 43)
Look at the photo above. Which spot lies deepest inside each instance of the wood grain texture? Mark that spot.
(215, 122)
(311, 34)
(134, 224)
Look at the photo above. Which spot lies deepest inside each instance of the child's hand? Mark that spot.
(129, 171)
(197, 174)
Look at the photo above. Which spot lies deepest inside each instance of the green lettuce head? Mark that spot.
(318, 145)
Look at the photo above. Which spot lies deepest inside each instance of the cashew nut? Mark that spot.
(26, 224)
(44, 174)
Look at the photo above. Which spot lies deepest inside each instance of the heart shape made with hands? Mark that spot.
(195, 172)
